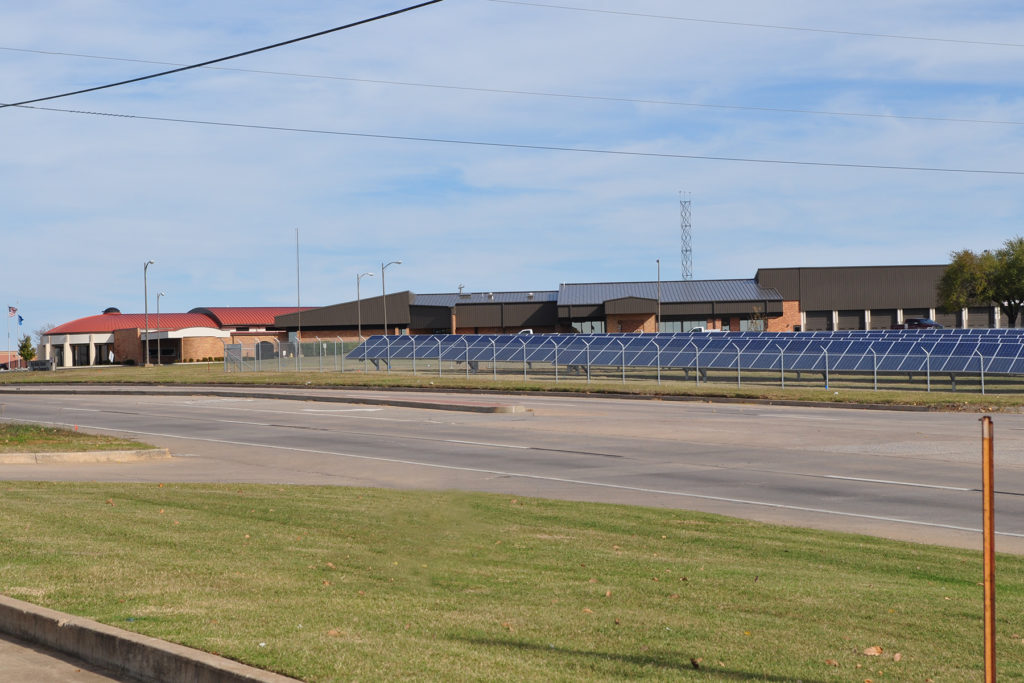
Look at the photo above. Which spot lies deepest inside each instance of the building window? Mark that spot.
(752, 325)
(589, 326)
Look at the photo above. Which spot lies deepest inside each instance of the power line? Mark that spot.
(224, 59)
(541, 93)
(771, 26)
(553, 148)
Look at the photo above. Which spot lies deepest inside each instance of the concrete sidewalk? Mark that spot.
(110, 654)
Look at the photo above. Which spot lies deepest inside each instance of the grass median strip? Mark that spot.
(1004, 393)
(31, 438)
(328, 583)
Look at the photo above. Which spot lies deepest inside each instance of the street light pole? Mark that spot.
(145, 294)
(359, 303)
(384, 292)
(159, 357)
(657, 326)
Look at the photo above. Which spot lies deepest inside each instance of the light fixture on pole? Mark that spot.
(145, 294)
(359, 303)
(383, 291)
(159, 357)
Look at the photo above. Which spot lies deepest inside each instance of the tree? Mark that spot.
(25, 348)
(989, 277)
(39, 332)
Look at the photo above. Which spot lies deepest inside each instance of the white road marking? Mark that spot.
(898, 483)
(343, 410)
(491, 445)
(561, 480)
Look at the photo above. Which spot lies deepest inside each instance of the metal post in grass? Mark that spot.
(466, 342)
(587, 344)
(874, 357)
(825, 349)
(739, 381)
(988, 524)
(280, 349)
(387, 342)
(928, 367)
(555, 342)
(494, 360)
(320, 353)
(782, 365)
(523, 342)
(696, 361)
(622, 360)
(657, 355)
(981, 367)
(439, 356)
(412, 340)
(342, 354)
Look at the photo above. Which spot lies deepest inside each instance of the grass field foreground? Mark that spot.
(327, 583)
(31, 438)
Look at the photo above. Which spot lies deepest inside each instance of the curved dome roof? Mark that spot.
(108, 322)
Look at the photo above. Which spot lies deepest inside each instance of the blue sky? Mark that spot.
(88, 199)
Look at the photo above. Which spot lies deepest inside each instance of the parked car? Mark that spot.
(918, 324)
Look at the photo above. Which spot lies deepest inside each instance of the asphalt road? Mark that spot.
(905, 475)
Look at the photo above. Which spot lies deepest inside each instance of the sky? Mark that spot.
(501, 146)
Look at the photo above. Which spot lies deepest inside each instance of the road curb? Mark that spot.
(360, 400)
(123, 652)
(84, 456)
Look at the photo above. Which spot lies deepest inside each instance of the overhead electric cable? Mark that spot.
(554, 148)
(224, 59)
(541, 93)
(771, 26)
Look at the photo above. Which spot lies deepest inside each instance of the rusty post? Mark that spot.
(987, 451)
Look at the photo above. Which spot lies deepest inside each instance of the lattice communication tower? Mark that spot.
(686, 237)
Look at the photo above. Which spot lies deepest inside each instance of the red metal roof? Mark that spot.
(108, 322)
(244, 316)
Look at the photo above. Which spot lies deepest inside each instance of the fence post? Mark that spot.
(587, 344)
(320, 353)
(658, 356)
(387, 341)
(555, 342)
(622, 361)
(439, 356)
(825, 349)
(981, 367)
(928, 367)
(782, 366)
(412, 340)
(739, 381)
(523, 342)
(696, 361)
(494, 361)
(466, 341)
(874, 357)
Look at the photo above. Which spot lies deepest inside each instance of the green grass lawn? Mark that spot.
(1002, 393)
(329, 583)
(29, 438)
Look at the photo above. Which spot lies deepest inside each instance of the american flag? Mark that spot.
(11, 311)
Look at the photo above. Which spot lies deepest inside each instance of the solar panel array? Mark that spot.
(887, 351)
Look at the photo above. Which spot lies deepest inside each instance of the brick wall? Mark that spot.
(631, 323)
(127, 346)
(198, 348)
(789, 318)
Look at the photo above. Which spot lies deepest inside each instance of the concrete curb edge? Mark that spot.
(123, 652)
(84, 456)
